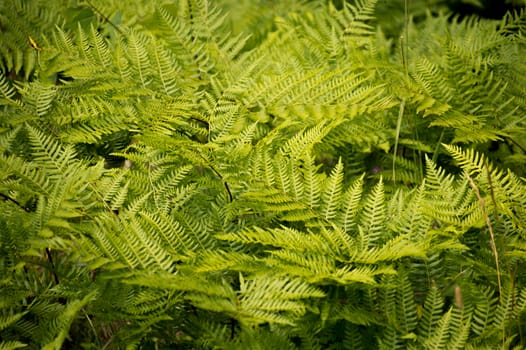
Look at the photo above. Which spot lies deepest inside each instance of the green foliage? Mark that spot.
(190, 175)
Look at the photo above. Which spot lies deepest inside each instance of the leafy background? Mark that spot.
(262, 175)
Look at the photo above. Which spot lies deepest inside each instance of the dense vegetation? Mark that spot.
(264, 174)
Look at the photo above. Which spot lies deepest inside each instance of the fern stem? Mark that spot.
(492, 243)
(435, 152)
(417, 154)
(490, 228)
(92, 328)
(52, 264)
(398, 126)
(14, 201)
(227, 188)
(232, 328)
(517, 144)
(106, 19)
(405, 38)
(513, 279)
(496, 215)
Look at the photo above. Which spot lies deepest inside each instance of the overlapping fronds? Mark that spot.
(260, 175)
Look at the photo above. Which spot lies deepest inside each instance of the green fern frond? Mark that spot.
(411, 219)
(148, 249)
(6, 89)
(426, 76)
(353, 338)
(390, 340)
(138, 55)
(431, 313)
(462, 328)
(372, 230)
(280, 237)
(178, 36)
(356, 17)
(453, 203)
(273, 300)
(351, 206)
(511, 306)
(220, 260)
(484, 307)
(39, 97)
(49, 153)
(440, 336)
(6, 321)
(331, 197)
(97, 49)
(405, 312)
(393, 249)
(115, 192)
(253, 209)
(289, 180)
(175, 240)
(407, 171)
(11, 345)
(501, 186)
(65, 319)
(166, 69)
(472, 161)
(312, 183)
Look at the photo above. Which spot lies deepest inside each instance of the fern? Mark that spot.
(186, 175)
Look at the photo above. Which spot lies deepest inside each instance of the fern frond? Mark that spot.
(407, 307)
(440, 336)
(461, 328)
(473, 162)
(65, 319)
(373, 217)
(11, 345)
(49, 153)
(6, 321)
(139, 57)
(348, 219)
(253, 211)
(280, 237)
(431, 313)
(276, 300)
(333, 190)
(312, 183)
(40, 97)
(353, 338)
(511, 306)
(304, 141)
(288, 179)
(112, 246)
(357, 16)
(393, 249)
(148, 249)
(178, 36)
(390, 339)
(166, 69)
(5, 88)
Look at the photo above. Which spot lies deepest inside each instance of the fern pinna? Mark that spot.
(168, 180)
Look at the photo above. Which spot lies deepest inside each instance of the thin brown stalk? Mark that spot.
(490, 228)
